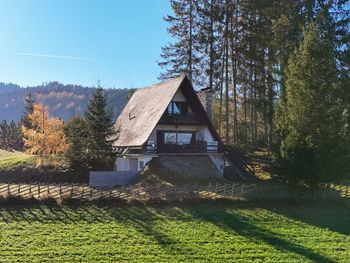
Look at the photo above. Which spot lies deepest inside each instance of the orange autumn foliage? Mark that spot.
(46, 136)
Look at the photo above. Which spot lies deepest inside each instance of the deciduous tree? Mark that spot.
(46, 135)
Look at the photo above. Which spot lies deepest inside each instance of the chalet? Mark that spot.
(165, 119)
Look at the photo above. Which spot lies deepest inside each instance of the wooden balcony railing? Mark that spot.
(181, 119)
(198, 147)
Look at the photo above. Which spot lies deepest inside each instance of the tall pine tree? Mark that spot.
(99, 121)
(181, 57)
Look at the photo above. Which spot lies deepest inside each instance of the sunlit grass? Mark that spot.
(190, 233)
(11, 159)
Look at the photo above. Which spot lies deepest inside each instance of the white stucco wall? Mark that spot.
(179, 97)
(124, 164)
(145, 159)
(219, 162)
(205, 133)
(121, 164)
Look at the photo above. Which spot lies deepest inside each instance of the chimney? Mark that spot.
(205, 95)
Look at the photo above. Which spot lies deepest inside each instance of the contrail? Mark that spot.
(51, 56)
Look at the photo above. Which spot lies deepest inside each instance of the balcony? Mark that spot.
(181, 119)
(193, 148)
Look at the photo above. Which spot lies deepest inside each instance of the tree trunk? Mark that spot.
(190, 74)
(221, 91)
(251, 109)
(270, 96)
(245, 114)
(234, 36)
(227, 130)
(255, 126)
(211, 46)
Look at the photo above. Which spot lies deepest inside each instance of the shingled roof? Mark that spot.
(144, 110)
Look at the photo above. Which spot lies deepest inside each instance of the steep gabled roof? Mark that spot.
(143, 111)
(145, 108)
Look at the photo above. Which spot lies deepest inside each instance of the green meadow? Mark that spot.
(198, 232)
(12, 159)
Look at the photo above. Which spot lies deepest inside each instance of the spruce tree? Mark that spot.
(99, 121)
(15, 136)
(28, 109)
(10, 136)
(310, 120)
(76, 133)
(4, 134)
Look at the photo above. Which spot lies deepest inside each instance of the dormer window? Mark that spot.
(177, 107)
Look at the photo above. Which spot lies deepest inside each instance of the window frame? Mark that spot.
(182, 106)
(193, 138)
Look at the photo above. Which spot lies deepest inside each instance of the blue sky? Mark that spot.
(81, 41)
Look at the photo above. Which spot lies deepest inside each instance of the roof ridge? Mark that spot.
(182, 76)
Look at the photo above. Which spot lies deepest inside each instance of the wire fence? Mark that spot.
(256, 191)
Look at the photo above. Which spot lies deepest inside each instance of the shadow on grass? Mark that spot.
(145, 220)
(237, 224)
(334, 216)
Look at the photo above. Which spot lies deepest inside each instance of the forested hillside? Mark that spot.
(63, 101)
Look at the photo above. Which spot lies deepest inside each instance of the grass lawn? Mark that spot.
(9, 160)
(18, 167)
(217, 232)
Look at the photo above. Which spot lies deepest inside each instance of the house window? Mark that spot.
(184, 138)
(179, 138)
(170, 108)
(142, 164)
(170, 138)
(177, 107)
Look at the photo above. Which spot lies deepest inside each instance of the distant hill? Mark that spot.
(64, 101)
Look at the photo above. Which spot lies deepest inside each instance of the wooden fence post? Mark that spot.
(19, 189)
(71, 191)
(8, 189)
(110, 193)
(82, 192)
(233, 188)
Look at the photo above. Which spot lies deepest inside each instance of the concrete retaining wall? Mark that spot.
(111, 178)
